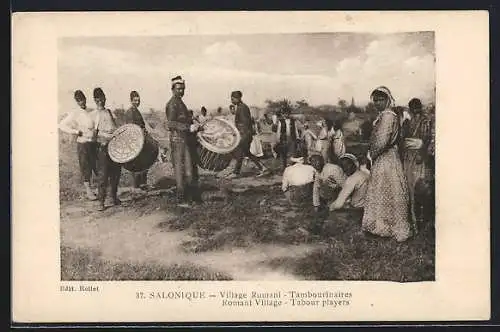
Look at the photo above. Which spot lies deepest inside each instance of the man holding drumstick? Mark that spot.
(183, 145)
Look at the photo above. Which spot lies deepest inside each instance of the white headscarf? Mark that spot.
(385, 90)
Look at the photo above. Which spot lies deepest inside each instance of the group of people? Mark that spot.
(392, 183)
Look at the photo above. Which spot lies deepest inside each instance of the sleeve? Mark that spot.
(344, 194)
(67, 125)
(285, 182)
(296, 130)
(426, 136)
(432, 140)
(278, 130)
(316, 189)
(383, 134)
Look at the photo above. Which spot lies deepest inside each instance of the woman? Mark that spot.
(256, 145)
(323, 142)
(337, 139)
(387, 199)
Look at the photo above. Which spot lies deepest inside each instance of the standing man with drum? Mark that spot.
(134, 116)
(108, 170)
(243, 121)
(183, 145)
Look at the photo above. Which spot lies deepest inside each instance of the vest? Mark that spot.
(292, 128)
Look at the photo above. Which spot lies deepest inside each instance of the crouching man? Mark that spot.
(301, 183)
(354, 187)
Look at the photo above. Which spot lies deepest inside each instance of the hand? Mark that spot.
(194, 127)
(79, 133)
(413, 143)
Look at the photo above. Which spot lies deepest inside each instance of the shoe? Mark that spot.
(91, 196)
(262, 173)
(101, 207)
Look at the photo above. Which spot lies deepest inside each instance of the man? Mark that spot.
(232, 113)
(417, 160)
(353, 191)
(109, 171)
(309, 139)
(301, 182)
(243, 121)
(183, 145)
(287, 136)
(134, 116)
(81, 124)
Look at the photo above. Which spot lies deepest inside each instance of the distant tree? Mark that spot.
(342, 104)
(302, 103)
(370, 107)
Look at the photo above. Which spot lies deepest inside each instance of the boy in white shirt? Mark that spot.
(81, 124)
(301, 183)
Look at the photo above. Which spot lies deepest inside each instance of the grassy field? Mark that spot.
(264, 219)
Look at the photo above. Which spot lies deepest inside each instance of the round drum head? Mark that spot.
(126, 144)
(219, 135)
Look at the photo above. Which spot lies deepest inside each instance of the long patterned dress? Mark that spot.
(416, 163)
(387, 203)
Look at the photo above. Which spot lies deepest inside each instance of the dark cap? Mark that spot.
(236, 94)
(98, 93)
(79, 95)
(415, 103)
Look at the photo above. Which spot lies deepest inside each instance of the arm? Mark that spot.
(344, 194)
(313, 135)
(316, 189)
(284, 184)
(382, 134)
(296, 130)
(67, 125)
(278, 131)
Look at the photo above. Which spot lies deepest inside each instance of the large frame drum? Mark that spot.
(217, 141)
(134, 149)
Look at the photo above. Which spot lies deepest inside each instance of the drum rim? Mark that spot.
(212, 148)
(133, 156)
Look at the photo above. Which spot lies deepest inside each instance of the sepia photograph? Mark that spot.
(248, 157)
(250, 167)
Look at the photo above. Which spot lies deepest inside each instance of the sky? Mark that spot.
(320, 68)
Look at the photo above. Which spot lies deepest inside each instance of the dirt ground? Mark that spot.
(245, 230)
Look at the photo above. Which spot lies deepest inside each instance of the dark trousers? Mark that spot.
(287, 148)
(109, 173)
(140, 178)
(87, 159)
(185, 169)
(243, 151)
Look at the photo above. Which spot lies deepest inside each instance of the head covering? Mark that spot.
(298, 156)
(236, 94)
(351, 157)
(178, 80)
(98, 93)
(415, 103)
(79, 95)
(384, 90)
(134, 94)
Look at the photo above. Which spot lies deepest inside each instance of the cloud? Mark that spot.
(403, 66)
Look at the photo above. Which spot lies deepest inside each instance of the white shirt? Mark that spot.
(333, 175)
(80, 120)
(297, 175)
(300, 174)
